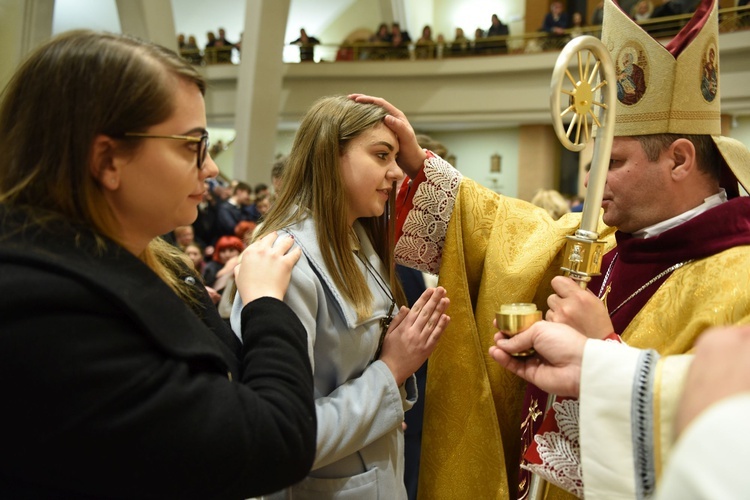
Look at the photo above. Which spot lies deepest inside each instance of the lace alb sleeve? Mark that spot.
(425, 227)
(560, 451)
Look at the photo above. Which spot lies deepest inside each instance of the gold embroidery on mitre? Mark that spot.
(709, 78)
(656, 92)
(632, 68)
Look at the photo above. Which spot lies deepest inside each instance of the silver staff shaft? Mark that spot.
(583, 250)
(591, 103)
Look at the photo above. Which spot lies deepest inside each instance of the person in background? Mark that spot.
(306, 46)
(425, 46)
(251, 211)
(277, 175)
(364, 343)
(204, 227)
(576, 25)
(497, 29)
(223, 47)
(381, 35)
(400, 41)
(598, 15)
(190, 51)
(460, 44)
(478, 45)
(642, 11)
(183, 236)
(576, 204)
(210, 40)
(234, 209)
(114, 381)
(195, 253)
(262, 204)
(228, 248)
(556, 22)
(552, 201)
(244, 230)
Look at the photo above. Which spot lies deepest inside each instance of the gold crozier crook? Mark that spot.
(589, 92)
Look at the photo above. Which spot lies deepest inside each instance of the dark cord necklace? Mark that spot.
(385, 322)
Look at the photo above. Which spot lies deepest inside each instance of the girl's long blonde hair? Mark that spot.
(312, 187)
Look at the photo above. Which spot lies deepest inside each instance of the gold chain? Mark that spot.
(650, 282)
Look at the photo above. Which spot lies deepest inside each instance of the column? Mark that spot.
(538, 159)
(37, 24)
(24, 25)
(151, 20)
(259, 89)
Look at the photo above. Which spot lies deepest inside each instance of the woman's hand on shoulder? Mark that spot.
(265, 268)
(411, 156)
(414, 334)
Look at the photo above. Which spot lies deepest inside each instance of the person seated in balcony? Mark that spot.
(425, 46)
(190, 51)
(666, 28)
(210, 48)
(380, 42)
(555, 24)
(642, 11)
(460, 45)
(596, 18)
(576, 25)
(477, 47)
(670, 8)
(223, 47)
(382, 35)
(399, 42)
(598, 15)
(307, 45)
(497, 29)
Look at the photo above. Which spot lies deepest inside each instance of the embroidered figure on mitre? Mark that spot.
(710, 79)
(631, 76)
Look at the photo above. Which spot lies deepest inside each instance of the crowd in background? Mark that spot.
(227, 216)
(217, 48)
(392, 42)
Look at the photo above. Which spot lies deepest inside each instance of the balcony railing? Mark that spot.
(730, 19)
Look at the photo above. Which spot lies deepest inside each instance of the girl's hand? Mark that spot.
(414, 334)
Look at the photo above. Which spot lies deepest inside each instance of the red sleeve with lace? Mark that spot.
(405, 197)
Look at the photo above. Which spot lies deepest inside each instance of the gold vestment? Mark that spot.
(501, 250)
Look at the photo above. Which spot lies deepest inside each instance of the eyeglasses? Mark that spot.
(202, 141)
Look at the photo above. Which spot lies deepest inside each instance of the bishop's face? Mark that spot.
(636, 194)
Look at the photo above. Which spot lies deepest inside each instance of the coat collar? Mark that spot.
(119, 276)
(306, 237)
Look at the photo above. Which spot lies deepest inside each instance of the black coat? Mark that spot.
(112, 387)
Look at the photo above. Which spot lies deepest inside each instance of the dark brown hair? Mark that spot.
(708, 156)
(71, 89)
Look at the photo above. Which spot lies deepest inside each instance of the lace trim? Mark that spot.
(560, 452)
(426, 225)
(641, 418)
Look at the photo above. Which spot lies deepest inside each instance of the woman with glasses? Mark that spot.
(338, 183)
(116, 380)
